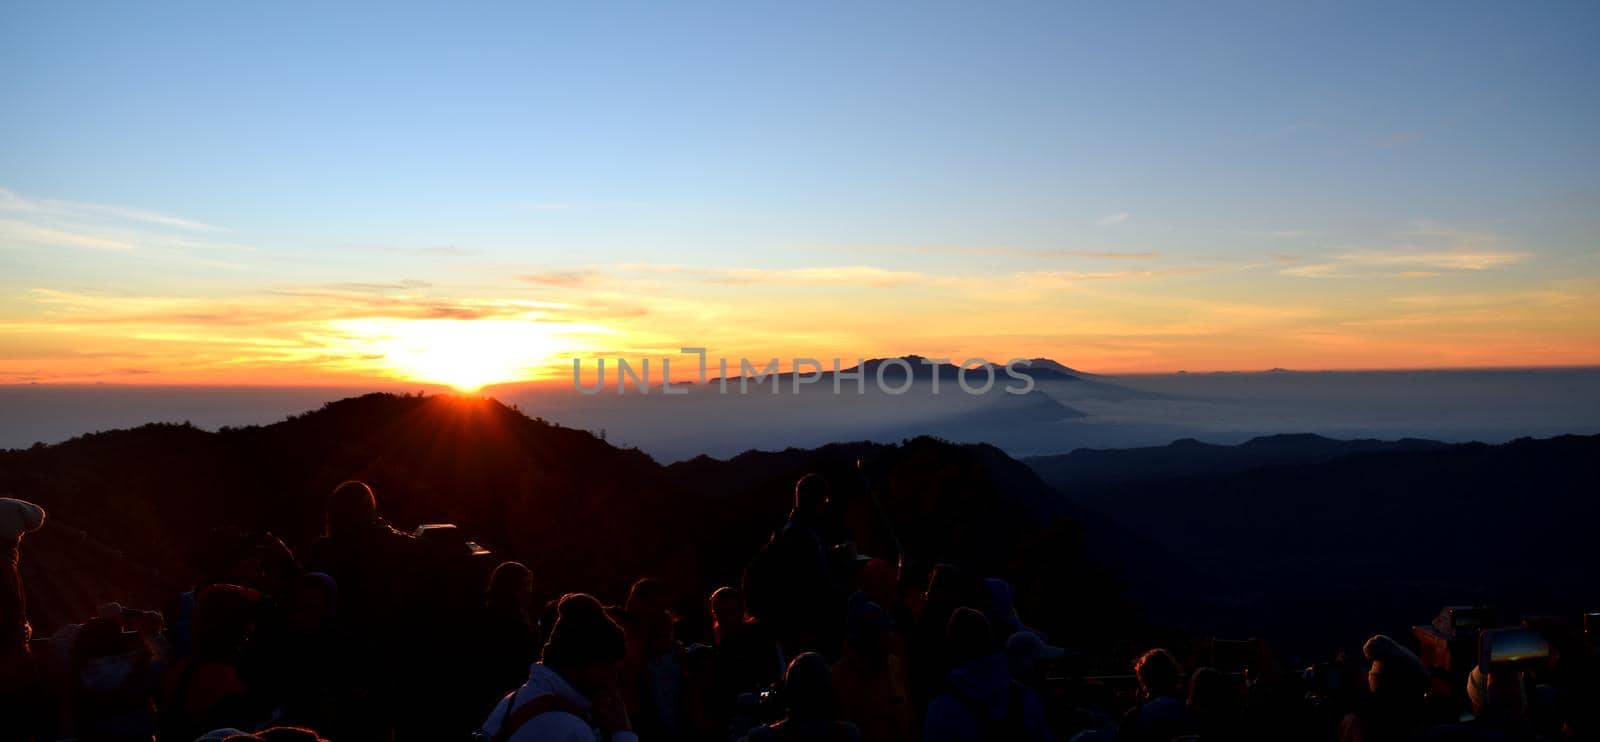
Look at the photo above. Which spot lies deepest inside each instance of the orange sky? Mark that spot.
(237, 194)
(469, 327)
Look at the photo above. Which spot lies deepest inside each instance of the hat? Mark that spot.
(583, 633)
(1001, 605)
(968, 636)
(1026, 648)
(1389, 657)
(865, 618)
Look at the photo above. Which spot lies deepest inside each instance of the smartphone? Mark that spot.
(1511, 646)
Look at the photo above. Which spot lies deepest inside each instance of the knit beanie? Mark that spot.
(583, 634)
(18, 517)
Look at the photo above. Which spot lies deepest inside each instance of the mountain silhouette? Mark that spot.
(585, 514)
(1324, 536)
(1282, 535)
(894, 374)
(1087, 471)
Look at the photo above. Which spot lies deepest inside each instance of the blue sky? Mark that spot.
(951, 137)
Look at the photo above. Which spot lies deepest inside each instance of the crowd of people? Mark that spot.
(370, 636)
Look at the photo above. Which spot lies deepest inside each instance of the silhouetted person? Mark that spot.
(1393, 708)
(301, 658)
(808, 703)
(1214, 706)
(507, 639)
(949, 588)
(880, 580)
(999, 604)
(1162, 713)
(652, 673)
(113, 682)
(17, 518)
(376, 569)
(1500, 708)
(746, 657)
(205, 691)
(1030, 660)
(570, 694)
(981, 702)
(371, 561)
(787, 585)
(18, 680)
(870, 682)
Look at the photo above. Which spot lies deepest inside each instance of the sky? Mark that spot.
(314, 193)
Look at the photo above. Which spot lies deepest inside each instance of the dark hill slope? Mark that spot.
(968, 504)
(1087, 471)
(533, 490)
(1329, 546)
(584, 514)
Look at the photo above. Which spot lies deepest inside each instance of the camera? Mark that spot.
(1517, 646)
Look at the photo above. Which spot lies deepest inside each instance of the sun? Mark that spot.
(466, 355)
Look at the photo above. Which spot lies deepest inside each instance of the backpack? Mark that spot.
(512, 720)
(1004, 729)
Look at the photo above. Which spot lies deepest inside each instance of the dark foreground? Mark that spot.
(933, 591)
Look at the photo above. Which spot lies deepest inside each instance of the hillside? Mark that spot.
(1370, 539)
(585, 514)
(1087, 471)
(1283, 536)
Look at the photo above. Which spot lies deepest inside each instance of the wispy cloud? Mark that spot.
(1040, 253)
(1059, 253)
(1111, 220)
(1037, 278)
(563, 279)
(13, 231)
(852, 275)
(47, 223)
(444, 251)
(863, 276)
(11, 201)
(1426, 250)
(404, 284)
(1404, 264)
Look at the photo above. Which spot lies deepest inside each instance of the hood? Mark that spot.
(104, 674)
(543, 681)
(985, 680)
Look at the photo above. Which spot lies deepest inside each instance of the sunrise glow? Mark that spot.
(466, 355)
(1036, 184)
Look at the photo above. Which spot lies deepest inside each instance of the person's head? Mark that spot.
(1210, 691)
(808, 688)
(1159, 673)
(880, 580)
(511, 584)
(1395, 671)
(647, 618)
(224, 616)
(810, 495)
(1029, 656)
(867, 627)
(999, 604)
(1497, 694)
(585, 647)
(647, 595)
(351, 507)
(727, 611)
(313, 602)
(950, 585)
(968, 636)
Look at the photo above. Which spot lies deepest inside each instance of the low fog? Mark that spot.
(1056, 417)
